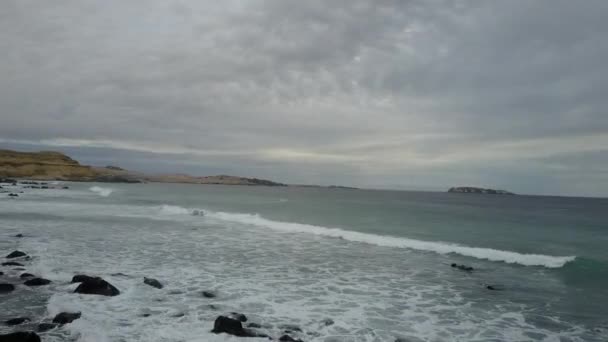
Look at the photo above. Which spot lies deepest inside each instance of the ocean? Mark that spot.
(326, 264)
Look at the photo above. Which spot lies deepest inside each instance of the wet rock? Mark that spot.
(290, 328)
(238, 316)
(79, 278)
(37, 282)
(19, 235)
(209, 294)
(16, 254)
(153, 282)
(17, 321)
(287, 338)
(42, 327)
(6, 288)
(231, 326)
(97, 286)
(327, 322)
(26, 275)
(463, 267)
(12, 194)
(66, 317)
(20, 336)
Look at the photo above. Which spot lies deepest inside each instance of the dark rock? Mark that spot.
(79, 278)
(290, 328)
(463, 267)
(328, 322)
(66, 317)
(26, 275)
(37, 282)
(146, 315)
(287, 338)
(1, 273)
(20, 336)
(238, 316)
(254, 325)
(17, 321)
(97, 286)
(15, 254)
(153, 282)
(42, 327)
(19, 235)
(231, 326)
(208, 294)
(6, 288)
(11, 263)
(13, 195)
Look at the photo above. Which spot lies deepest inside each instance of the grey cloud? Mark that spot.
(414, 94)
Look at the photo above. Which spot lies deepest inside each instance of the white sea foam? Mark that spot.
(399, 242)
(103, 192)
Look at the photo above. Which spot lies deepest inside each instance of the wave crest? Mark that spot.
(399, 242)
(103, 192)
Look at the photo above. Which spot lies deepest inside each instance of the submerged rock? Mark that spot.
(231, 326)
(209, 294)
(97, 286)
(12, 263)
(463, 267)
(66, 317)
(6, 288)
(17, 321)
(42, 327)
(15, 254)
(153, 282)
(20, 336)
(287, 338)
(37, 282)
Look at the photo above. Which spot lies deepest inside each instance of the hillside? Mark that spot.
(48, 165)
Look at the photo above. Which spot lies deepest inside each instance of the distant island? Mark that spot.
(50, 165)
(474, 190)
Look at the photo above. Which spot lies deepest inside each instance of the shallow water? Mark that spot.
(375, 262)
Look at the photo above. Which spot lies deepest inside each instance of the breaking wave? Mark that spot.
(103, 192)
(399, 242)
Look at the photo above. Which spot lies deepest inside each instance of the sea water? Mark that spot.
(340, 264)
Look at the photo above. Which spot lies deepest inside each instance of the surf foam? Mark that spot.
(103, 192)
(399, 242)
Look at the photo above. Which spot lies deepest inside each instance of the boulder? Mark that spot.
(153, 282)
(42, 327)
(66, 317)
(238, 316)
(26, 275)
(97, 286)
(20, 336)
(6, 288)
(37, 282)
(79, 278)
(17, 321)
(15, 254)
(287, 338)
(209, 294)
(231, 326)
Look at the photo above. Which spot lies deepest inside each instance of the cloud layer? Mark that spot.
(405, 94)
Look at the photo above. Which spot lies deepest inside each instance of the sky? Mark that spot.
(419, 95)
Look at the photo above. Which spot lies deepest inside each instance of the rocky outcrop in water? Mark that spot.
(474, 190)
(153, 282)
(66, 317)
(17, 321)
(231, 326)
(97, 286)
(37, 282)
(20, 336)
(15, 254)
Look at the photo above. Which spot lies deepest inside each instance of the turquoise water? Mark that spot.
(375, 262)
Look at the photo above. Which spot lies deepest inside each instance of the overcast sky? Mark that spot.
(383, 94)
